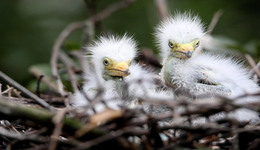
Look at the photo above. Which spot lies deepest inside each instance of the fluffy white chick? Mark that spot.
(114, 69)
(110, 59)
(199, 74)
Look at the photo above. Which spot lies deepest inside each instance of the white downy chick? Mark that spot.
(114, 69)
(200, 74)
(110, 59)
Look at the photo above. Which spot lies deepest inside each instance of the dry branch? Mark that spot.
(162, 8)
(13, 110)
(25, 91)
(214, 21)
(253, 65)
(22, 137)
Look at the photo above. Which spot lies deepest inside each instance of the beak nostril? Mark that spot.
(127, 71)
(188, 54)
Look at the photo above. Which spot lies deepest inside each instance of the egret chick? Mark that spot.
(202, 74)
(114, 69)
(110, 60)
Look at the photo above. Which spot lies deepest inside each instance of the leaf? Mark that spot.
(99, 119)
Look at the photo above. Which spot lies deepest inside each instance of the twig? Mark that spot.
(69, 65)
(88, 34)
(7, 91)
(111, 9)
(58, 121)
(253, 64)
(162, 8)
(39, 85)
(25, 91)
(55, 53)
(21, 137)
(37, 73)
(214, 21)
(82, 61)
(110, 136)
(17, 93)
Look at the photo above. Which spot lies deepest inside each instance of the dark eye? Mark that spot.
(171, 45)
(105, 62)
(197, 44)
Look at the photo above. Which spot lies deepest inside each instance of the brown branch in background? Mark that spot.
(69, 66)
(148, 57)
(88, 34)
(55, 53)
(214, 21)
(161, 6)
(25, 91)
(82, 61)
(91, 6)
(111, 9)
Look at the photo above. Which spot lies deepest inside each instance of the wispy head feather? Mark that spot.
(180, 28)
(117, 48)
(114, 47)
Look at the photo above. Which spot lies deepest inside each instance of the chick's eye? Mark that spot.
(105, 62)
(197, 44)
(170, 44)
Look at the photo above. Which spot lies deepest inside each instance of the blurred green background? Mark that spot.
(28, 28)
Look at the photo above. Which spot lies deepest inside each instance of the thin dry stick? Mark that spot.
(252, 71)
(214, 21)
(7, 90)
(82, 61)
(55, 53)
(58, 121)
(25, 91)
(21, 137)
(17, 93)
(37, 73)
(109, 136)
(88, 34)
(252, 64)
(162, 8)
(39, 85)
(69, 65)
(111, 9)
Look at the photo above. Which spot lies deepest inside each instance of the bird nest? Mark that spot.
(186, 123)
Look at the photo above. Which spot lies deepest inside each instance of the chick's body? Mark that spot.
(208, 74)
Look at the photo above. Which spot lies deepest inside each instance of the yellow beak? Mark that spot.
(120, 69)
(184, 50)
